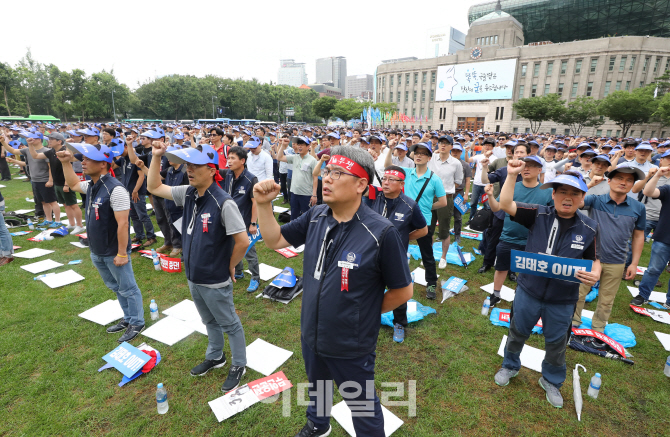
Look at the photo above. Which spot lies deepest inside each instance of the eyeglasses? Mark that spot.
(421, 154)
(334, 174)
(385, 179)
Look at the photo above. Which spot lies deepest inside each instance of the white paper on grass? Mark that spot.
(24, 211)
(2, 186)
(169, 330)
(65, 278)
(342, 414)
(411, 307)
(420, 276)
(660, 316)
(297, 249)
(21, 177)
(177, 225)
(506, 293)
(104, 313)
(654, 296)
(530, 357)
(149, 206)
(41, 266)
(265, 357)
(266, 272)
(33, 253)
(188, 312)
(587, 313)
(78, 244)
(664, 339)
(160, 234)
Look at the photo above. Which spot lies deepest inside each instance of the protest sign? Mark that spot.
(253, 239)
(602, 337)
(286, 252)
(548, 266)
(170, 265)
(127, 359)
(460, 204)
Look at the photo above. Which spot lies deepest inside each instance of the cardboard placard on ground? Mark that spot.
(41, 266)
(266, 272)
(187, 311)
(169, 330)
(420, 276)
(104, 313)
(78, 244)
(664, 339)
(279, 209)
(33, 253)
(530, 357)
(655, 296)
(506, 293)
(342, 414)
(61, 279)
(265, 357)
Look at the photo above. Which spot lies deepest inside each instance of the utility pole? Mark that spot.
(113, 106)
(213, 115)
(278, 113)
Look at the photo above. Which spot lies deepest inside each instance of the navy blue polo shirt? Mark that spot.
(617, 223)
(130, 175)
(402, 212)
(241, 189)
(664, 216)
(346, 267)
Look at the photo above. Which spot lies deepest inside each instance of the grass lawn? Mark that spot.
(50, 384)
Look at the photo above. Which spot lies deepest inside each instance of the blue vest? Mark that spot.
(542, 236)
(206, 255)
(102, 228)
(336, 323)
(240, 190)
(398, 211)
(175, 178)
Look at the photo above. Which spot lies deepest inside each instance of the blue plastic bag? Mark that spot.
(414, 251)
(453, 256)
(412, 316)
(621, 333)
(497, 318)
(592, 294)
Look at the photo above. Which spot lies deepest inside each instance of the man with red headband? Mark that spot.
(402, 211)
(351, 254)
(214, 241)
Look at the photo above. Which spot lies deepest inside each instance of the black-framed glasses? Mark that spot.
(335, 174)
(386, 178)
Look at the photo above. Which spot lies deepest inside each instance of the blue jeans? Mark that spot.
(6, 245)
(217, 312)
(660, 255)
(121, 281)
(556, 320)
(355, 378)
(299, 205)
(140, 218)
(477, 192)
(651, 224)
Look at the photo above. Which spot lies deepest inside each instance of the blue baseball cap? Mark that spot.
(303, 139)
(550, 146)
(117, 146)
(334, 135)
(89, 132)
(99, 152)
(644, 146)
(401, 146)
(511, 143)
(35, 135)
(601, 158)
(152, 134)
(588, 152)
(585, 144)
(178, 136)
(73, 133)
(665, 155)
(199, 155)
(424, 145)
(457, 147)
(252, 144)
(285, 279)
(446, 138)
(564, 179)
(379, 138)
(532, 158)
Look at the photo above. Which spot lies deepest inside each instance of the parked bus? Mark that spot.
(267, 123)
(214, 121)
(31, 118)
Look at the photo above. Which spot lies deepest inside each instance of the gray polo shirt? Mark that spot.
(39, 168)
(302, 182)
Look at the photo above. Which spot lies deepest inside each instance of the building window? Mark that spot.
(384, 81)
(553, 131)
(432, 95)
(578, 66)
(642, 134)
(533, 90)
(646, 64)
(546, 89)
(618, 85)
(414, 96)
(432, 77)
(566, 131)
(564, 67)
(612, 62)
(488, 40)
(622, 64)
(667, 65)
(527, 130)
(574, 89)
(477, 41)
(550, 68)
(589, 89)
(416, 78)
(628, 85)
(594, 64)
(609, 132)
(663, 134)
(641, 84)
(423, 96)
(391, 97)
(502, 112)
(607, 88)
(399, 79)
(658, 61)
(430, 114)
(524, 67)
(391, 80)
(382, 94)
(560, 89)
(495, 38)
(632, 63)
(599, 132)
(407, 79)
(398, 97)
(423, 78)
(497, 111)
(515, 130)
(536, 69)
(521, 91)
(406, 96)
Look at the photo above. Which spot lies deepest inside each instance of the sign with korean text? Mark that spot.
(253, 239)
(602, 337)
(549, 266)
(170, 265)
(484, 80)
(454, 284)
(127, 359)
(460, 204)
(286, 252)
(249, 394)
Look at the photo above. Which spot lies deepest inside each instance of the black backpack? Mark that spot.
(481, 220)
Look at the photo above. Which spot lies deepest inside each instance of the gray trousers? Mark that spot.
(252, 260)
(217, 311)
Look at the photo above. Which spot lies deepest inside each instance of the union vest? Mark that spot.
(239, 190)
(102, 228)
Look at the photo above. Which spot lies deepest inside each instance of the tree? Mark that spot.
(580, 113)
(663, 110)
(629, 108)
(323, 107)
(347, 109)
(538, 109)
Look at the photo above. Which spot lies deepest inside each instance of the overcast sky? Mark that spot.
(140, 39)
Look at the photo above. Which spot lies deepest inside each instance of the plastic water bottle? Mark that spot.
(486, 306)
(153, 309)
(31, 226)
(594, 386)
(407, 258)
(154, 256)
(161, 399)
(667, 367)
(412, 277)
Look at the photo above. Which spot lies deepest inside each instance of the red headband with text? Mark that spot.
(396, 173)
(348, 164)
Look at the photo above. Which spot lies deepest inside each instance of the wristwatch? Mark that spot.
(253, 223)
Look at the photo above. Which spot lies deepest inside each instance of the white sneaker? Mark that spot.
(443, 263)
(77, 230)
(70, 228)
